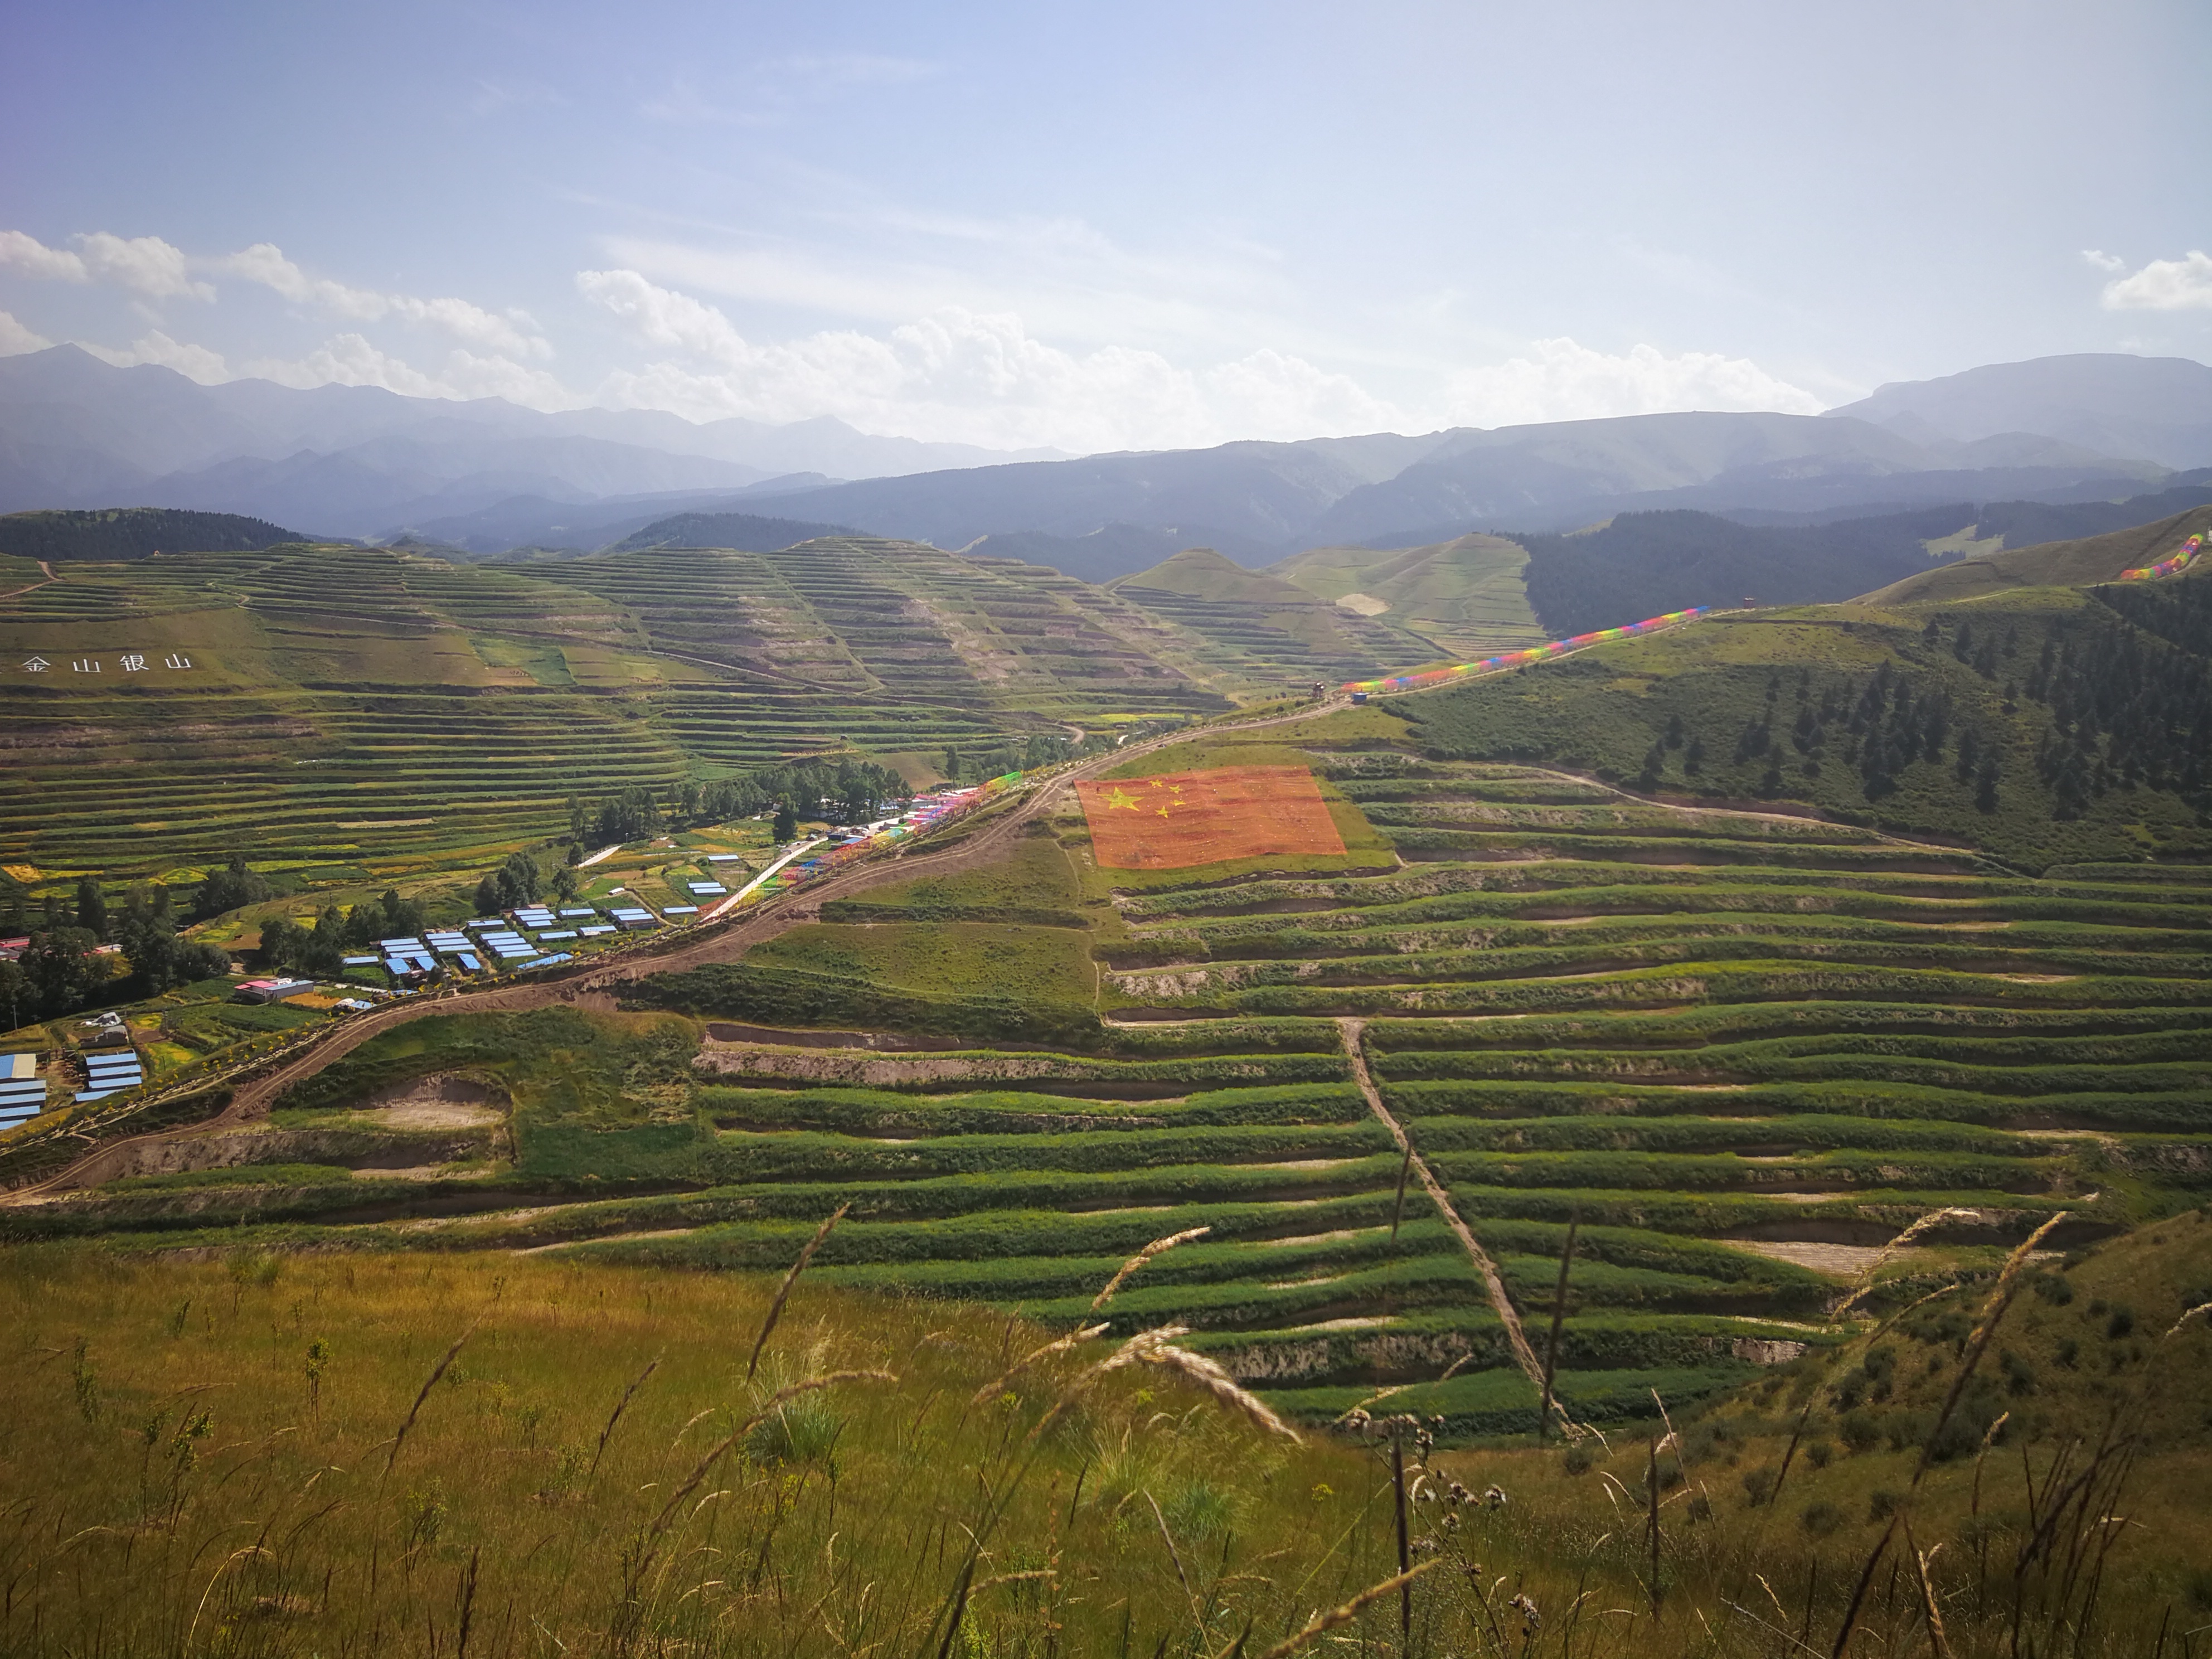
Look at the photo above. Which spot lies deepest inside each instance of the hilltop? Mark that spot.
(742, 532)
(133, 533)
(2077, 563)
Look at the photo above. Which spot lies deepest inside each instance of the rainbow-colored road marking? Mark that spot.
(2183, 558)
(1534, 653)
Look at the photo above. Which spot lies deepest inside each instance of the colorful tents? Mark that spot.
(1534, 653)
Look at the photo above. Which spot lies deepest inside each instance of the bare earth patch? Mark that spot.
(443, 1102)
(1838, 1261)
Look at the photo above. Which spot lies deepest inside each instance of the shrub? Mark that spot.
(1860, 1431)
(1580, 1460)
(1758, 1486)
(2120, 1324)
(1821, 1454)
(1820, 1518)
(1881, 1504)
(802, 1430)
(1198, 1509)
(2055, 1288)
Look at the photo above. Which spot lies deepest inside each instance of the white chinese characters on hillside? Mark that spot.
(129, 662)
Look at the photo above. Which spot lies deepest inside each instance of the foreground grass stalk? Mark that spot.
(428, 1383)
(783, 1290)
(1321, 1624)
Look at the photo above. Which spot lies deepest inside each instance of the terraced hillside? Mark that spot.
(1256, 627)
(1467, 597)
(1738, 1052)
(359, 713)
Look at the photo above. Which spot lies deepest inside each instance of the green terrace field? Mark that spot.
(1737, 1051)
(369, 713)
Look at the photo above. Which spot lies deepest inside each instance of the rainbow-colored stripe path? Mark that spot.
(1522, 659)
(2182, 558)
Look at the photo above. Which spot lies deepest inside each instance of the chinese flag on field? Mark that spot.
(1185, 818)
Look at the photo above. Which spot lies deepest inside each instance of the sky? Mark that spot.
(1091, 226)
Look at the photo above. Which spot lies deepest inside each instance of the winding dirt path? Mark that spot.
(591, 985)
(51, 578)
(1493, 1282)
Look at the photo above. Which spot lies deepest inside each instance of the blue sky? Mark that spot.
(1097, 227)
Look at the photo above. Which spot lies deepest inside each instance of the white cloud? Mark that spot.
(33, 258)
(145, 264)
(354, 360)
(1561, 380)
(2104, 261)
(16, 339)
(983, 379)
(512, 336)
(961, 376)
(195, 362)
(2183, 284)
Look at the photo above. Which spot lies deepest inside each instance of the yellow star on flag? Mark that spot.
(1121, 798)
(1163, 811)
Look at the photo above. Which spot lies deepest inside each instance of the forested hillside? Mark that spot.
(2044, 724)
(134, 532)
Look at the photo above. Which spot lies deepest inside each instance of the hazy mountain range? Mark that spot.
(360, 461)
(488, 475)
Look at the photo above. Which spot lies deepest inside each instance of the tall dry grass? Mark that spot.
(590, 1473)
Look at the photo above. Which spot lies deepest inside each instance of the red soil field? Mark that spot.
(1183, 818)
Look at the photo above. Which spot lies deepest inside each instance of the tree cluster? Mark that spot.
(845, 791)
(320, 951)
(1040, 748)
(2131, 705)
(516, 882)
(229, 887)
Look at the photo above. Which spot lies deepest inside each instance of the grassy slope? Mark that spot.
(1467, 597)
(2050, 564)
(577, 1472)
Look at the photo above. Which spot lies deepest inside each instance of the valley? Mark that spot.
(1658, 1026)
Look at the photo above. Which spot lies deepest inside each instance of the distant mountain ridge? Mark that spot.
(488, 476)
(363, 461)
(1256, 502)
(2159, 408)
